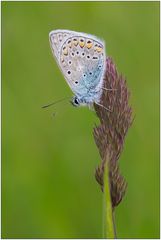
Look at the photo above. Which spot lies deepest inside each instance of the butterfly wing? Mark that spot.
(81, 58)
(56, 39)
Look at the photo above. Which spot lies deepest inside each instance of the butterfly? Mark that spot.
(81, 58)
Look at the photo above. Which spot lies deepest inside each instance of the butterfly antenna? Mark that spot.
(61, 100)
(108, 109)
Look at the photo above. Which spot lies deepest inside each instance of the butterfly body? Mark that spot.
(81, 58)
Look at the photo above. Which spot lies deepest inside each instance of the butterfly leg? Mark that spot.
(108, 109)
(109, 89)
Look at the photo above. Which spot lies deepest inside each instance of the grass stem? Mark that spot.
(108, 224)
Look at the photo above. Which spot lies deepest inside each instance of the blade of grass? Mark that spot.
(108, 224)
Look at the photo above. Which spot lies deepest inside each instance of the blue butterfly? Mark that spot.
(81, 58)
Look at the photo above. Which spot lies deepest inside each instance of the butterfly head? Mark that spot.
(76, 101)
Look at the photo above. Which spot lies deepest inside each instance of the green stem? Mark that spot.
(108, 225)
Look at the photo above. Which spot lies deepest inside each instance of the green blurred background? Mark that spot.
(48, 163)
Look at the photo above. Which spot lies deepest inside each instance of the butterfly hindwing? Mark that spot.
(81, 58)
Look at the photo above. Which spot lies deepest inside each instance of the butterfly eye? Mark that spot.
(75, 102)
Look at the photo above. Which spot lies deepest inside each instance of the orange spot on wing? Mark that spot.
(98, 49)
(89, 45)
(81, 42)
(69, 43)
(65, 51)
(75, 41)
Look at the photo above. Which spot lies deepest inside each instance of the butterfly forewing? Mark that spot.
(57, 38)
